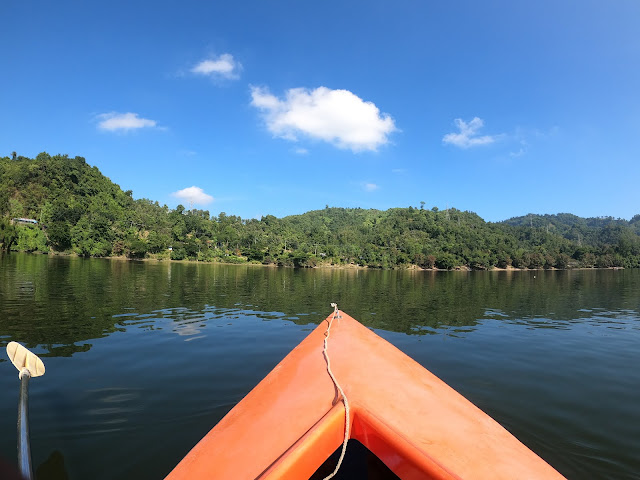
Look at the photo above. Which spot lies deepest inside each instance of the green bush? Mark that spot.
(31, 239)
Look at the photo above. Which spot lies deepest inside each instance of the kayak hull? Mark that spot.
(294, 419)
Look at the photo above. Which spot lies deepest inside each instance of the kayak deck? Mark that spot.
(294, 419)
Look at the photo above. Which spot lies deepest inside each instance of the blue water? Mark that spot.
(144, 358)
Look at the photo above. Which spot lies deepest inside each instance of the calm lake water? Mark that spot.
(144, 358)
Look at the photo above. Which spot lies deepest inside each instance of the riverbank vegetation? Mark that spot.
(81, 211)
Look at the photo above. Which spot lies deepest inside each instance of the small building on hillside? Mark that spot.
(24, 221)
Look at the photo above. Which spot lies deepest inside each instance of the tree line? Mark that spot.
(81, 211)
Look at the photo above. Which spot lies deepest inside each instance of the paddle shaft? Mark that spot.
(24, 449)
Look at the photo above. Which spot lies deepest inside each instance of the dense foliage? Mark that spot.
(80, 210)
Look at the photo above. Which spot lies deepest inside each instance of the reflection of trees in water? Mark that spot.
(60, 303)
(66, 350)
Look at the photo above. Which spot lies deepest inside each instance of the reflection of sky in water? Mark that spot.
(111, 408)
(188, 323)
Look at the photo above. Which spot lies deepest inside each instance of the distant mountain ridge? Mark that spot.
(79, 210)
(595, 231)
(570, 220)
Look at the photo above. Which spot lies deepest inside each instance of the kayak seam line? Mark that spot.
(344, 397)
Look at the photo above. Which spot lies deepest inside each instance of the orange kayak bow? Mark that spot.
(294, 419)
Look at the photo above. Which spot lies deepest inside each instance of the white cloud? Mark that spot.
(301, 151)
(521, 135)
(187, 153)
(114, 121)
(335, 116)
(468, 136)
(224, 66)
(370, 187)
(193, 195)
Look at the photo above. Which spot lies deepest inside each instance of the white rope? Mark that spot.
(344, 397)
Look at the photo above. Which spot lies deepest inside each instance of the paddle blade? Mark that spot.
(23, 358)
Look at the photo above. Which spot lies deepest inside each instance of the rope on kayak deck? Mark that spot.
(344, 397)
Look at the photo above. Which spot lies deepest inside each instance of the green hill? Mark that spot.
(80, 210)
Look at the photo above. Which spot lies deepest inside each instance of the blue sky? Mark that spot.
(502, 108)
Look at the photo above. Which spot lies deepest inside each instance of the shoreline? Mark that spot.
(328, 266)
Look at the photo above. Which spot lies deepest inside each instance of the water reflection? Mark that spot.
(59, 304)
(146, 357)
(110, 409)
(65, 350)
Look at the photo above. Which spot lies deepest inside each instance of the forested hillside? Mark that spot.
(81, 211)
